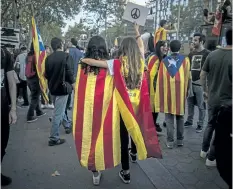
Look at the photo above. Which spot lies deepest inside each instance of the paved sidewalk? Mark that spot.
(30, 163)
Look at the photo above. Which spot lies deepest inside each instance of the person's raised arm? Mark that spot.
(139, 39)
(174, 30)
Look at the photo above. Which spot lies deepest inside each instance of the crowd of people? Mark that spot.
(202, 79)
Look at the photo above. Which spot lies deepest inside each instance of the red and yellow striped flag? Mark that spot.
(96, 121)
(40, 54)
(172, 85)
(160, 34)
(134, 106)
(153, 66)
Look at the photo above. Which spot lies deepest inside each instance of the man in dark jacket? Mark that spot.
(60, 75)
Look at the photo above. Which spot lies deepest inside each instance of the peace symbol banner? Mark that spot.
(136, 13)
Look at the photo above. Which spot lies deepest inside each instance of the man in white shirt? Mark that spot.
(20, 63)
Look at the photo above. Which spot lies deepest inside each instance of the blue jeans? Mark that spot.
(59, 117)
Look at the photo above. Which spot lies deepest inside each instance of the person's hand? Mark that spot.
(205, 94)
(12, 117)
(136, 27)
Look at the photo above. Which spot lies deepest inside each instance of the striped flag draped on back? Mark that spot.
(40, 54)
(160, 34)
(99, 101)
(172, 85)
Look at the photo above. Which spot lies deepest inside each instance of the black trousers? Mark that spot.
(155, 117)
(125, 146)
(23, 85)
(5, 127)
(35, 97)
(223, 143)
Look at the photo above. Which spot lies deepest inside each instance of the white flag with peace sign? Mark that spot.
(136, 13)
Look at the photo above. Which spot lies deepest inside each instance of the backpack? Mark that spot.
(151, 43)
(30, 67)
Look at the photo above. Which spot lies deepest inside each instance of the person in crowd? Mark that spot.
(191, 47)
(216, 80)
(163, 30)
(227, 11)
(146, 38)
(59, 72)
(50, 105)
(20, 64)
(197, 59)
(172, 86)
(208, 17)
(76, 55)
(8, 114)
(131, 63)
(34, 86)
(153, 66)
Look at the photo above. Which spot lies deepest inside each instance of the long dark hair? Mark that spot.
(157, 51)
(96, 49)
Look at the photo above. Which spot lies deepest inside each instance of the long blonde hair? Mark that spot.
(130, 53)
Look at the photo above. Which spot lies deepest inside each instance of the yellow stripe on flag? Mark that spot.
(76, 100)
(182, 86)
(88, 119)
(134, 129)
(173, 91)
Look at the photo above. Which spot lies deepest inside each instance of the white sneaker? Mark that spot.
(210, 163)
(203, 154)
(96, 179)
(43, 106)
(50, 106)
(20, 100)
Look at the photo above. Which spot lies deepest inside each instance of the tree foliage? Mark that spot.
(104, 13)
(46, 12)
(76, 30)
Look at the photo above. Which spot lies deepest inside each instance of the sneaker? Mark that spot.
(40, 114)
(170, 145)
(50, 106)
(58, 142)
(20, 100)
(187, 124)
(158, 128)
(199, 129)
(203, 154)
(180, 143)
(31, 119)
(210, 163)
(133, 157)
(43, 106)
(5, 180)
(96, 177)
(124, 177)
(68, 130)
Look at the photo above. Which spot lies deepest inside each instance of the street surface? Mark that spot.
(31, 162)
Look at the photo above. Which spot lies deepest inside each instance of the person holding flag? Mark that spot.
(123, 97)
(171, 91)
(163, 30)
(153, 66)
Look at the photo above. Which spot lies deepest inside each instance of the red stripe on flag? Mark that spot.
(161, 35)
(178, 95)
(33, 32)
(119, 83)
(169, 94)
(161, 88)
(108, 137)
(40, 60)
(146, 123)
(97, 116)
(80, 112)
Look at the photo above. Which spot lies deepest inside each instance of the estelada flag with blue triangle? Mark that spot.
(172, 85)
(40, 55)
